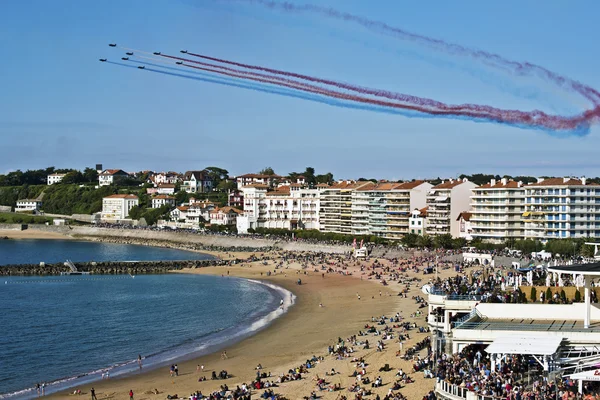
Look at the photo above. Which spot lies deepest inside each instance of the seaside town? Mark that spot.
(439, 289)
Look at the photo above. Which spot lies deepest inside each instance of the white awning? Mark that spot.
(441, 198)
(592, 375)
(531, 345)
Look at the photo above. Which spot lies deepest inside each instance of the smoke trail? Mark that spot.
(495, 60)
(534, 118)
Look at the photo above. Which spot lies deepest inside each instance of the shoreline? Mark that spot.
(305, 330)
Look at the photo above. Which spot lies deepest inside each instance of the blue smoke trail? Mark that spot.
(265, 88)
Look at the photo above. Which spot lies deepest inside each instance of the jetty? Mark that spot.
(73, 269)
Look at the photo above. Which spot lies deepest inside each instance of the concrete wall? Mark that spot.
(5, 208)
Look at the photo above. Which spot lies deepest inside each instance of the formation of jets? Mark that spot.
(130, 53)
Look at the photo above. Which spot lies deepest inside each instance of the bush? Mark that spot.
(548, 294)
(533, 294)
(563, 296)
(577, 296)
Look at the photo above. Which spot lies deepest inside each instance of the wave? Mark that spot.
(211, 342)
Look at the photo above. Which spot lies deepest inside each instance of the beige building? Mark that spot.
(496, 209)
(335, 212)
(444, 203)
(117, 206)
(384, 209)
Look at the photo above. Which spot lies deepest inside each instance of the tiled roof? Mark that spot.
(166, 185)
(449, 184)
(122, 196)
(465, 215)
(499, 185)
(562, 182)
(164, 196)
(113, 171)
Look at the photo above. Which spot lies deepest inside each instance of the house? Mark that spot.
(224, 216)
(464, 225)
(179, 213)
(116, 207)
(55, 178)
(26, 205)
(166, 188)
(162, 200)
(417, 221)
(199, 210)
(197, 182)
(257, 179)
(165, 177)
(111, 176)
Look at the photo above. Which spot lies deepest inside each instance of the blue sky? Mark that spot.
(61, 107)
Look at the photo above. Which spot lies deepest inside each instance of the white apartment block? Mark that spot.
(384, 209)
(335, 213)
(28, 205)
(559, 208)
(444, 204)
(117, 206)
(496, 210)
(163, 200)
(55, 178)
(288, 207)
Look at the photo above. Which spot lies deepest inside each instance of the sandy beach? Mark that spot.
(307, 329)
(32, 234)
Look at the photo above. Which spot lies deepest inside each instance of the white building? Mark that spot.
(288, 207)
(197, 182)
(417, 221)
(55, 178)
(335, 212)
(117, 206)
(164, 177)
(111, 176)
(258, 179)
(163, 200)
(558, 208)
(224, 216)
(384, 209)
(444, 203)
(28, 205)
(166, 188)
(465, 229)
(496, 209)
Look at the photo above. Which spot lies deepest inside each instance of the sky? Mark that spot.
(61, 107)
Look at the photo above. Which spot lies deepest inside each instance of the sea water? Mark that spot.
(69, 330)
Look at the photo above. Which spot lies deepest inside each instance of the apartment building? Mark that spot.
(496, 211)
(335, 210)
(558, 208)
(287, 207)
(444, 204)
(384, 209)
(117, 206)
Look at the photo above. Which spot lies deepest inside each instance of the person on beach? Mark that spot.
(93, 393)
(130, 394)
(140, 360)
(37, 388)
(224, 355)
(176, 370)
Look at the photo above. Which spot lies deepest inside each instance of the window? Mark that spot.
(419, 223)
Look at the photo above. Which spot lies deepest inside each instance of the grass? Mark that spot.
(23, 218)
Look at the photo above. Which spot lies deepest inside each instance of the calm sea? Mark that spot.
(67, 331)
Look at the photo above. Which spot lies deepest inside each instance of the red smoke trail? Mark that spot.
(502, 116)
(533, 118)
(518, 68)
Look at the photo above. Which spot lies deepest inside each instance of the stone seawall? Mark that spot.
(112, 267)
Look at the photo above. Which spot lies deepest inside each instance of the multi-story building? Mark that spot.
(417, 221)
(496, 210)
(235, 198)
(288, 207)
(465, 229)
(25, 205)
(224, 216)
(561, 208)
(166, 188)
(384, 209)
(165, 177)
(335, 213)
(55, 178)
(197, 182)
(163, 200)
(112, 176)
(444, 203)
(117, 206)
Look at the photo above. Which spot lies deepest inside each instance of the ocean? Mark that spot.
(69, 330)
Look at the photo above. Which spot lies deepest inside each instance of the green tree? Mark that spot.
(309, 175)
(325, 178)
(135, 212)
(533, 294)
(72, 177)
(424, 241)
(217, 174)
(577, 296)
(548, 294)
(266, 171)
(226, 186)
(444, 241)
(90, 175)
(410, 240)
